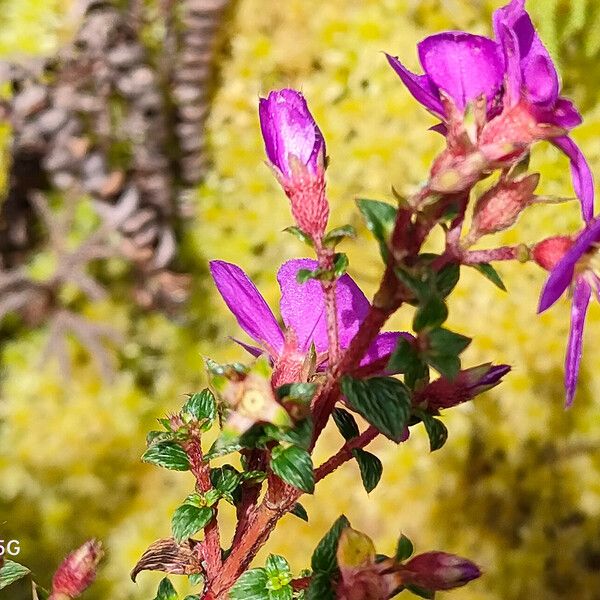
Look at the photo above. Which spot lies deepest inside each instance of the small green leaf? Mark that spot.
(38, 592)
(196, 579)
(335, 236)
(223, 446)
(404, 549)
(299, 392)
(294, 466)
(304, 275)
(276, 565)
(168, 455)
(436, 430)
(345, 423)
(320, 587)
(421, 592)
(444, 341)
(404, 358)
(189, 519)
(201, 406)
(431, 314)
(446, 365)
(300, 235)
(299, 511)
(384, 402)
(324, 557)
(282, 593)
(380, 218)
(370, 466)
(447, 278)
(340, 265)
(252, 585)
(11, 572)
(225, 479)
(418, 283)
(192, 597)
(490, 273)
(166, 591)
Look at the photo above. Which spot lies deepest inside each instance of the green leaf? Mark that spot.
(418, 283)
(404, 549)
(370, 466)
(431, 314)
(304, 275)
(38, 593)
(404, 358)
(320, 587)
(189, 519)
(340, 265)
(444, 341)
(276, 565)
(299, 511)
(168, 455)
(383, 401)
(380, 218)
(166, 591)
(444, 364)
(11, 572)
(421, 592)
(447, 278)
(300, 435)
(252, 585)
(225, 479)
(345, 423)
(324, 557)
(223, 446)
(201, 406)
(299, 392)
(196, 579)
(282, 593)
(192, 597)
(294, 466)
(300, 235)
(490, 273)
(335, 236)
(436, 430)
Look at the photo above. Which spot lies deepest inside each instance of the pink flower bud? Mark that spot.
(548, 252)
(439, 571)
(77, 571)
(500, 206)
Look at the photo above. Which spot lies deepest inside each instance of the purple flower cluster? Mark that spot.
(514, 70)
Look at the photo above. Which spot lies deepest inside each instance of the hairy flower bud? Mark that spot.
(501, 205)
(445, 393)
(77, 571)
(439, 571)
(296, 150)
(548, 252)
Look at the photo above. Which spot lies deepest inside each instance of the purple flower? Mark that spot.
(302, 310)
(289, 130)
(516, 75)
(578, 268)
(439, 571)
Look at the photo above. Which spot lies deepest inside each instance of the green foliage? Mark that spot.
(404, 549)
(294, 465)
(202, 407)
(10, 572)
(269, 583)
(168, 455)
(379, 218)
(383, 401)
(491, 274)
(189, 519)
(345, 423)
(370, 466)
(166, 591)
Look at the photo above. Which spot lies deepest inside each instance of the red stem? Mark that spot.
(325, 258)
(485, 256)
(345, 453)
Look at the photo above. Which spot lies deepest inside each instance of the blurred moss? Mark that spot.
(517, 486)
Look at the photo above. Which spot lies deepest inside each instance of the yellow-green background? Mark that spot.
(516, 487)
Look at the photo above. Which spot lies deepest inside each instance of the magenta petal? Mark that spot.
(303, 306)
(561, 275)
(249, 348)
(583, 181)
(465, 66)
(581, 300)
(383, 346)
(512, 59)
(247, 305)
(419, 86)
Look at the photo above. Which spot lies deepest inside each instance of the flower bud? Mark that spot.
(445, 393)
(501, 205)
(296, 150)
(439, 571)
(548, 252)
(77, 571)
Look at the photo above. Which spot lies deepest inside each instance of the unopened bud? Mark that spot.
(77, 571)
(549, 251)
(500, 206)
(452, 174)
(445, 393)
(439, 571)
